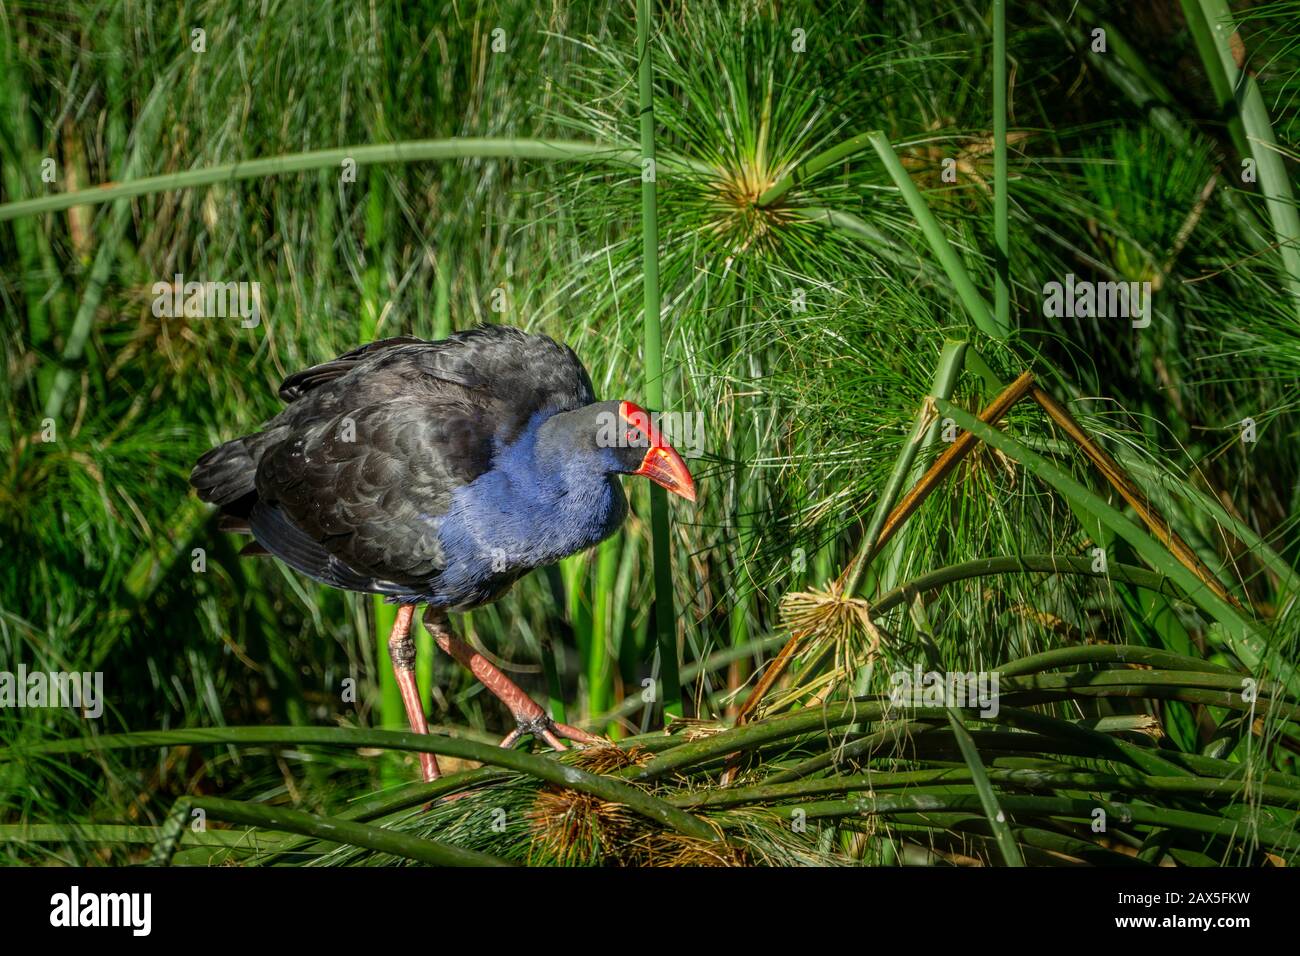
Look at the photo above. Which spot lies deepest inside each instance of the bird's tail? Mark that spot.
(226, 476)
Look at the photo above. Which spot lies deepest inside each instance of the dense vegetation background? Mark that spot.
(827, 331)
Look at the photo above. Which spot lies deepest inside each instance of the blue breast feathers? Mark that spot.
(521, 514)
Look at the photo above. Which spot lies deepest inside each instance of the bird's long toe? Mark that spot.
(538, 724)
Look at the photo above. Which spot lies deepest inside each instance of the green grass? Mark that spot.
(840, 260)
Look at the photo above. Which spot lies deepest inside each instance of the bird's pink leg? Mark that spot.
(530, 717)
(402, 650)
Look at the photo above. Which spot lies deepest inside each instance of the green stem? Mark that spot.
(1142, 679)
(121, 833)
(599, 664)
(1117, 813)
(894, 735)
(752, 736)
(412, 151)
(1043, 563)
(1241, 635)
(988, 798)
(945, 776)
(1058, 687)
(1001, 221)
(391, 711)
(1248, 102)
(546, 769)
(969, 826)
(811, 167)
(337, 830)
(558, 585)
(665, 612)
(1203, 37)
(1106, 654)
(945, 380)
(977, 308)
(1260, 549)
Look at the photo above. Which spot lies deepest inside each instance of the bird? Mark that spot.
(438, 473)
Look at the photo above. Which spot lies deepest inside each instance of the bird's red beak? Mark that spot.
(661, 464)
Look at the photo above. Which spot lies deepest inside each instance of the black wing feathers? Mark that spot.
(275, 534)
(366, 486)
(344, 483)
(299, 383)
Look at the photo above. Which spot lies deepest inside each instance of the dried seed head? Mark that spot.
(827, 620)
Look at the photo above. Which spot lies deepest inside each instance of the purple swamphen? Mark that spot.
(439, 473)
